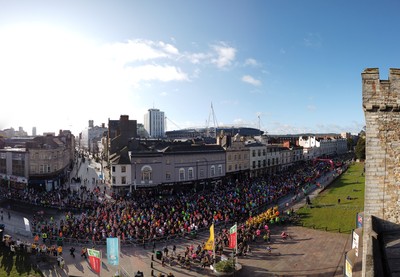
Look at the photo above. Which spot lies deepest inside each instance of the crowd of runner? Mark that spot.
(148, 215)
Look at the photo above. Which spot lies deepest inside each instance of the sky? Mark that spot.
(286, 67)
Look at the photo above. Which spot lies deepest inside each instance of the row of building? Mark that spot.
(43, 162)
(134, 162)
(143, 163)
(131, 161)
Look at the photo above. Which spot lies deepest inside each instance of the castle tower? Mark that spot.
(380, 99)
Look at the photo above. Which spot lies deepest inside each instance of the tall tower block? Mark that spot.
(381, 105)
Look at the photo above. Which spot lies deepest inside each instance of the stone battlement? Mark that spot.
(381, 95)
(381, 105)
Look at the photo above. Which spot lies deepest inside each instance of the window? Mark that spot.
(146, 173)
(259, 152)
(240, 156)
(167, 161)
(263, 152)
(220, 169)
(123, 168)
(259, 163)
(18, 167)
(230, 167)
(113, 179)
(254, 153)
(33, 168)
(41, 168)
(113, 168)
(3, 166)
(254, 164)
(168, 175)
(181, 174)
(123, 180)
(212, 170)
(229, 157)
(48, 168)
(190, 173)
(201, 173)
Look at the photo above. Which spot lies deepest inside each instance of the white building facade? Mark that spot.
(154, 123)
(314, 147)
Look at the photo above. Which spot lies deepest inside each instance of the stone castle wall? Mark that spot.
(381, 105)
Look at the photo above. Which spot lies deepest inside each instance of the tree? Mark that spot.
(225, 266)
(360, 148)
(350, 144)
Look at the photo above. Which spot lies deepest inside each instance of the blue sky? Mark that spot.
(286, 66)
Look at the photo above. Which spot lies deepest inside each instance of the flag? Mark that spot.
(26, 222)
(113, 251)
(95, 260)
(210, 242)
(233, 236)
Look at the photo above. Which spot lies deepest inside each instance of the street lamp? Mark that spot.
(134, 181)
(197, 170)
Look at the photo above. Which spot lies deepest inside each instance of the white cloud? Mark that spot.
(163, 94)
(136, 50)
(168, 48)
(284, 128)
(312, 40)
(225, 55)
(197, 58)
(156, 72)
(251, 62)
(250, 80)
(311, 107)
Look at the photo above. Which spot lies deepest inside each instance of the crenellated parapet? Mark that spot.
(381, 105)
(381, 95)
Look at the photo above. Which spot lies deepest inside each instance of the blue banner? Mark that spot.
(113, 251)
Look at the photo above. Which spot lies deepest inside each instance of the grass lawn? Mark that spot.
(16, 264)
(326, 213)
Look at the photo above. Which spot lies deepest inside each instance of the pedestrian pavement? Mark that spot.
(309, 252)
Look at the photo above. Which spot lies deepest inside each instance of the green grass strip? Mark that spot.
(326, 213)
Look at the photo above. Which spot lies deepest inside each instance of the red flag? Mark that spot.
(95, 260)
(233, 236)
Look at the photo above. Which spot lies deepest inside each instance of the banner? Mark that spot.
(210, 242)
(95, 260)
(26, 222)
(113, 251)
(233, 236)
(355, 243)
(359, 220)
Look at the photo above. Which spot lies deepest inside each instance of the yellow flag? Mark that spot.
(210, 242)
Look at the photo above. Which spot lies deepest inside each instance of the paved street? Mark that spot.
(308, 253)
